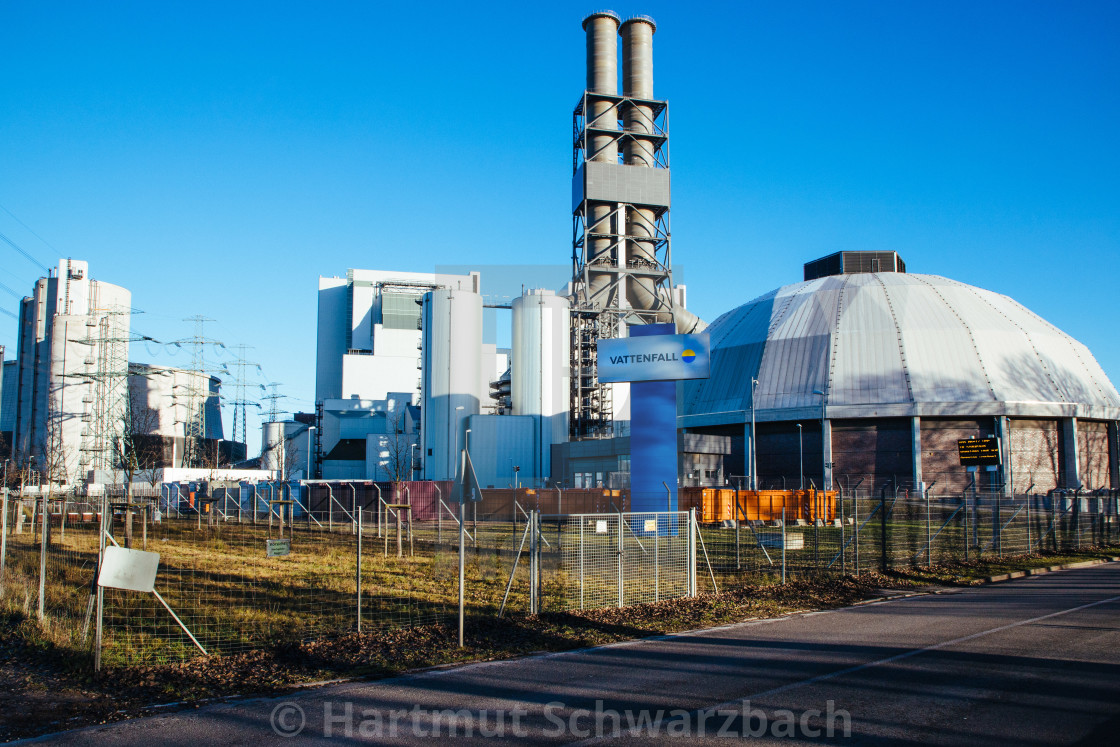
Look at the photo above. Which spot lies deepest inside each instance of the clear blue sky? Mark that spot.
(216, 158)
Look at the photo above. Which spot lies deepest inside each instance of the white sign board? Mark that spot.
(275, 548)
(600, 526)
(653, 358)
(650, 525)
(133, 570)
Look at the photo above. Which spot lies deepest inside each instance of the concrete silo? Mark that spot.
(451, 349)
(540, 367)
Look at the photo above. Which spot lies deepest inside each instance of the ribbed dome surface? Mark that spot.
(881, 344)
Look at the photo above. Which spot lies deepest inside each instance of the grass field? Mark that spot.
(218, 579)
(233, 597)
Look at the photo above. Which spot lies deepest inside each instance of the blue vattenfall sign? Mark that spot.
(657, 357)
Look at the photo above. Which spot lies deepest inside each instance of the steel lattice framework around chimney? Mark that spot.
(621, 241)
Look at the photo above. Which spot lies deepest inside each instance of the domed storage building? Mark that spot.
(893, 369)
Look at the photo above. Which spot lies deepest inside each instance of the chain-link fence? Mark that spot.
(364, 556)
(49, 555)
(619, 559)
(899, 528)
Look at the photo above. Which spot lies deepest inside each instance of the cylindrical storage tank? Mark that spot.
(284, 447)
(451, 365)
(272, 436)
(541, 369)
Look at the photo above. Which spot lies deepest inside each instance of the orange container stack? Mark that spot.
(715, 505)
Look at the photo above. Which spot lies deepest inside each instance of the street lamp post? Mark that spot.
(754, 441)
(826, 483)
(801, 455)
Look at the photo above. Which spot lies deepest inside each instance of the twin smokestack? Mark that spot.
(603, 29)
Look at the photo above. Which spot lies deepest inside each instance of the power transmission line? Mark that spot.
(29, 228)
(27, 256)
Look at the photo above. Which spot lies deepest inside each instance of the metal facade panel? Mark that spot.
(867, 364)
(614, 182)
(941, 356)
(796, 358)
(1076, 372)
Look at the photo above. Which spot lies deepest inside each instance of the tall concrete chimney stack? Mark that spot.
(602, 77)
(637, 75)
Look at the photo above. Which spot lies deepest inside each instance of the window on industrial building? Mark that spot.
(400, 311)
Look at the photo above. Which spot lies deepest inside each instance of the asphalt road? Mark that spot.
(1033, 661)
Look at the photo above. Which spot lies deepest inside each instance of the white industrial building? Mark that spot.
(368, 373)
(402, 368)
(171, 404)
(71, 373)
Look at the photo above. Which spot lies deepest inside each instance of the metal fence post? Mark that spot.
(1076, 513)
(1027, 500)
(45, 528)
(783, 539)
(3, 540)
(97, 637)
(883, 529)
(692, 529)
(738, 513)
(582, 520)
(855, 525)
(657, 559)
(997, 525)
(462, 564)
(929, 535)
(964, 520)
(534, 560)
(843, 534)
(976, 518)
(621, 577)
(359, 572)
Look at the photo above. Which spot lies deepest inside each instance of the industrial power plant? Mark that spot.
(496, 454)
(861, 374)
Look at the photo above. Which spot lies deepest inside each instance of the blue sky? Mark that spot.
(216, 158)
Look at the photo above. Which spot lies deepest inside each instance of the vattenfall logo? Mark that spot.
(688, 355)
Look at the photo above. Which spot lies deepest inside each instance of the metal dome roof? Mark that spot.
(894, 344)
